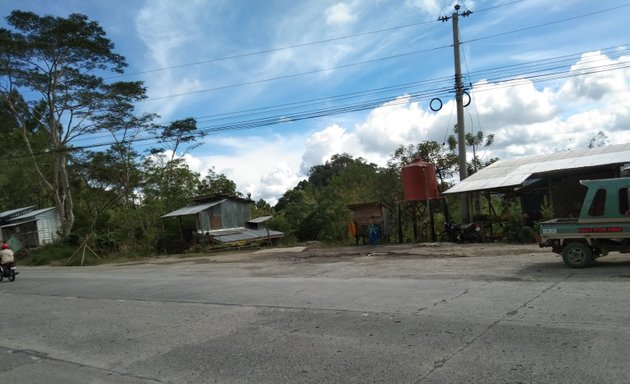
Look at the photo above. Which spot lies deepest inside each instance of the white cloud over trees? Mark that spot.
(526, 119)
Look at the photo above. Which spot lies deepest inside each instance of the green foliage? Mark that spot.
(430, 151)
(53, 61)
(316, 209)
(217, 184)
(474, 141)
(53, 254)
(515, 229)
(261, 208)
(176, 134)
(546, 209)
(170, 182)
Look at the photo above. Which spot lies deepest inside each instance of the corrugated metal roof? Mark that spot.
(31, 214)
(260, 219)
(193, 209)
(242, 234)
(18, 211)
(513, 172)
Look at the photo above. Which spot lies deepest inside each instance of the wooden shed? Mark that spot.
(370, 222)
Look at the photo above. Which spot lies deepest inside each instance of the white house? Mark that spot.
(33, 228)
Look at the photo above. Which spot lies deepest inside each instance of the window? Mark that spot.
(624, 209)
(597, 205)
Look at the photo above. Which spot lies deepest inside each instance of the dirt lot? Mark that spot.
(315, 251)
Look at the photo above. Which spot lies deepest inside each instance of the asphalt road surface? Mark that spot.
(438, 315)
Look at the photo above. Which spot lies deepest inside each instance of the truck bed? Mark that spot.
(573, 228)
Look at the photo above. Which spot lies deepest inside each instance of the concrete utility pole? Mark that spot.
(459, 99)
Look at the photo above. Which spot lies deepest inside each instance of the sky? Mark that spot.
(282, 85)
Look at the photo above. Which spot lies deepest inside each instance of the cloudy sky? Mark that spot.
(282, 85)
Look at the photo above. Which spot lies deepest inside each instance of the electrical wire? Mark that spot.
(301, 45)
(397, 56)
(538, 71)
(305, 115)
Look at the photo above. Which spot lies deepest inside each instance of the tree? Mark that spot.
(170, 182)
(218, 184)
(261, 208)
(320, 175)
(108, 179)
(19, 183)
(600, 139)
(176, 134)
(316, 209)
(55, 63)
(430, 151)
(474, 141)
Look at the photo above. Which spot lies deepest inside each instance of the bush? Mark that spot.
(58, 253)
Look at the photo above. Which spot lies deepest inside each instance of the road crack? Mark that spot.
(438, 364)
(38, 356)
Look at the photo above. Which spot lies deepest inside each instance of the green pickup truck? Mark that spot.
(603, 225)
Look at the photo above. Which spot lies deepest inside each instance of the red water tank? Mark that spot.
(419, 181)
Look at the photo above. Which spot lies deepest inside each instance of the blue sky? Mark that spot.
(543, 75)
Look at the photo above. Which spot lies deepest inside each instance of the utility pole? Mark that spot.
(459, 99)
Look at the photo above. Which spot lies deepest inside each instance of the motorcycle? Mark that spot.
(462, 233)
(8, 270)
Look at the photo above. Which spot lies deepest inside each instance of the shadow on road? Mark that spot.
(615, 267)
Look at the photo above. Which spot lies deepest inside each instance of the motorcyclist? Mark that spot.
(6, 255)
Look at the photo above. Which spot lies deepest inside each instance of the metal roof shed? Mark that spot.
(555, 176)
(226, 220)
(512, 173)
(35, 228)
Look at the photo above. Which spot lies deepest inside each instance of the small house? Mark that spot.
(226, 220)
(32, 227)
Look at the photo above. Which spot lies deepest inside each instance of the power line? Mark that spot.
(271, 50)
(437, 87)
(548, 24)
(370, 104)
(349, 65)
(297, 74)
(433, 88)
(293, 46)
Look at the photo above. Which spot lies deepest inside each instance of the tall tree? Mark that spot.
(474, 141)
(172, 185)
(179, 135)
(430, 151)
(55, 63)
(218, 184)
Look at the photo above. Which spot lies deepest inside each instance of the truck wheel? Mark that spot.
(577, 255)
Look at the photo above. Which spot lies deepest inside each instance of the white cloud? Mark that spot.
(325, 143)
(511, 103)
(275, 182)
(394, 123)
(167, 33)
(524, 118)
(264, 166)
(437, 7)
(598, 85)
(339, 14)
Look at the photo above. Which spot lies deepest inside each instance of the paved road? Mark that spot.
(382, 318)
